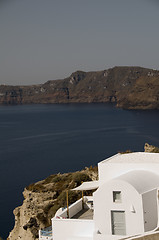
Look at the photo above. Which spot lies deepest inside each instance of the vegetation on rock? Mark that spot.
(125, 152)
(44, 198)
(151, 148)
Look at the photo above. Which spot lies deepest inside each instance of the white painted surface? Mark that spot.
(80, 238)
(103, 205)
(141, 180)
(66, 229)
(106, 237)
(72, 228)
(148, 236)
(73, 209)
(135, 157)
(122, 163)
(150, 210)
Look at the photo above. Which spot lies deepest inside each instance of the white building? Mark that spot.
(124, 205)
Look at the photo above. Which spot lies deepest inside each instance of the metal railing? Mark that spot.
(45, 233)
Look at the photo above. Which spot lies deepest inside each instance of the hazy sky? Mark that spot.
(49, 39)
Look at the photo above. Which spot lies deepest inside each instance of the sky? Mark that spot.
(43, 40)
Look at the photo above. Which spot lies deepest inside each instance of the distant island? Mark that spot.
(127, 87)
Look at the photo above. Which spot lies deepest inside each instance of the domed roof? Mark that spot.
(142, 181)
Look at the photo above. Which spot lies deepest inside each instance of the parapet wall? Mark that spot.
(148, 236)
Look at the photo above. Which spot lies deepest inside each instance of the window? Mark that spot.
(116, 196)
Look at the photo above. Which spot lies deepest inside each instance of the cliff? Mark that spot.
(42, 199)
(128, 87)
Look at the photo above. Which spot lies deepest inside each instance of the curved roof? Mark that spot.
(142, 181)
(135, 157)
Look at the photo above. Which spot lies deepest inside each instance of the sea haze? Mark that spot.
(39, 140)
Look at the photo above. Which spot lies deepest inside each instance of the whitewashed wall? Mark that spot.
(103, 204)
(66, 229)
(146, 236)
(73, 209)
(108, 171)
(150, 209)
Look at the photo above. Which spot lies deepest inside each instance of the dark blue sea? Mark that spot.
(39, 140)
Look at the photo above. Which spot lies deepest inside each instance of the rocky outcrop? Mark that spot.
(148, 148)
(128, 87)
(151, 148)
(26, 216)
(42, 199)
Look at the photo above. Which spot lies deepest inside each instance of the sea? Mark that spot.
(39, 140)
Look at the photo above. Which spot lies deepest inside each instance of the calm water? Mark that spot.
(39, 140)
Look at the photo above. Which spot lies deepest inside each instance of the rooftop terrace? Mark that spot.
(84, 214)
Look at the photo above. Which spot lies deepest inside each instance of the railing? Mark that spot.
(75, 207)
(61, 214)
(68, 228)
(46, 234)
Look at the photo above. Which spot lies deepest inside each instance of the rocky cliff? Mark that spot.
(42, 199)
(128, 87)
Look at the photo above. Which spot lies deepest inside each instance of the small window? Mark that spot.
(116, 196)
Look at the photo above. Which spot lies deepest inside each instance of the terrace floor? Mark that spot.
(84, 214)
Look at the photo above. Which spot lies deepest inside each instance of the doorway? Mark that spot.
(118, 222)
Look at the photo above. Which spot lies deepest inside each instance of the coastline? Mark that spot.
(126, 87)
